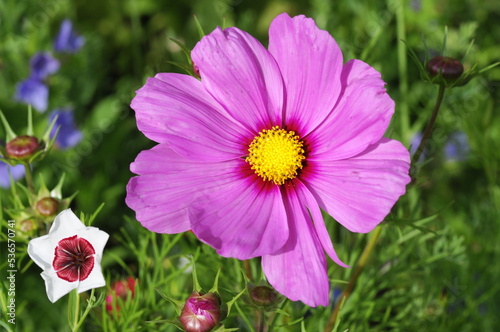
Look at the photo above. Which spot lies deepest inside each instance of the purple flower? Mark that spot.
(43, 64)
(457, 147)
(68, 135)
(32, 91)
(249, 155)
(67, 39)
(7, 171)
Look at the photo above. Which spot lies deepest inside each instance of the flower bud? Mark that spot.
(196, 70)
(27, 225)
(120, 289)
(201, 313)
(263, 296)
(47, 206)
(449, 68)
(22, 147)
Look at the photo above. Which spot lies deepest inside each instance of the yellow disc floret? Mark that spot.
(276, 155)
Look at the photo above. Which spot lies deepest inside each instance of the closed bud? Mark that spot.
(120, 289)
(27, 225)
(196, 70)
(201, 313)
(449, 68)
(263, 295)
(22, 147)
(47, 206)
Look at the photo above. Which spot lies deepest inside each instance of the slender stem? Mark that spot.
(90, 304)
(273, 316)
(75, 326)
(29, 178)
(430, 125)
(363, 260)
(403, 110)
(248, 269)
(262, 322)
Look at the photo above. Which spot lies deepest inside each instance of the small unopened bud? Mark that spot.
(120, 289)
(22, 147)
(263, 295)
(449, 68)
(27, 225)
(47, 206)
(201, 313)
(196, 70)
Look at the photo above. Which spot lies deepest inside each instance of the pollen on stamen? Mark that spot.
(276, 155)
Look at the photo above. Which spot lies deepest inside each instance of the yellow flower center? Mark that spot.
(276, 155)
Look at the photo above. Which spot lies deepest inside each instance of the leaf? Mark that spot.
(230, 303)
(198, 26)
(177, 304)
(215, 287)
(10, 133)
(196, 284)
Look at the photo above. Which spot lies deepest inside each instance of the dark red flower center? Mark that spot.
(74, 259)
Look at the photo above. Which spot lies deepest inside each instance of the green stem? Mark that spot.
(430, 125)
(76, 308)
(273, 316)
(402, 69)
(262, 322)
(90, 304)
(248, 269)
(363, 260)
(29, 178)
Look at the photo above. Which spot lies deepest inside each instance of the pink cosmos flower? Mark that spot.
(70, 256)
(250, 154)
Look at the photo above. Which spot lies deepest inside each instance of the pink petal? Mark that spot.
(168, 183)
(310, 202)
(360, 192)
(310, 62)
(244, 219)
(176, 109)
(242, 75)
(360, 118)
(298, 270)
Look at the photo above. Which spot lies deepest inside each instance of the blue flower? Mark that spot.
(32, 91)
(67, 39)
(6, 171)
(68, 135)
(415, 142)
(42, 65)
(457, 147)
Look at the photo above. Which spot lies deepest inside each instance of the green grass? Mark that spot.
(434, 265)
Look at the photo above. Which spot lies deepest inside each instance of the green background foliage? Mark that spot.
(434, 267)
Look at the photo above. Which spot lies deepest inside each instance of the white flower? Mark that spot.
(70, 256)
